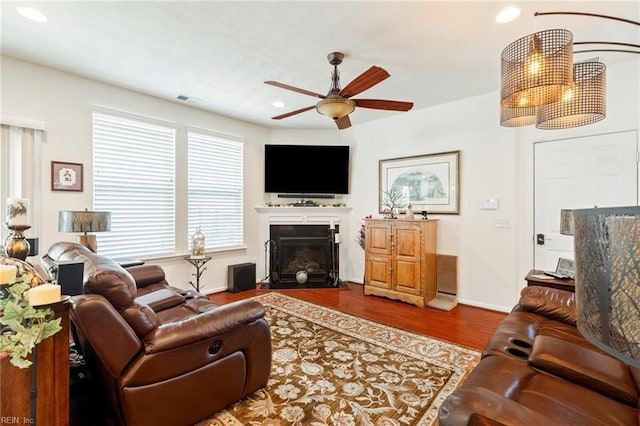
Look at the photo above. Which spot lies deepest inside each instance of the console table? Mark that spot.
(51, 381)
(536, 277)
(198, 263)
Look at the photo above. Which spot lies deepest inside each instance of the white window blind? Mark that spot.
(215, 189)
(134, 179)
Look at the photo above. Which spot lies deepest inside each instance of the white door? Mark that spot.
(584, 172)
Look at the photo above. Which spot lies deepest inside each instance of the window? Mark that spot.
(215, 189)
(134, 179)
(20, 150)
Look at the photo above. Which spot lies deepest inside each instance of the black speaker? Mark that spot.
(241, 277)
(33, 246)
(70, 277)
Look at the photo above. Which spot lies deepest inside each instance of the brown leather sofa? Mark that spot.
(163, 356)
(537, 369)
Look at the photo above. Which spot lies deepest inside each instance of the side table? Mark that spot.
(536, 277)
(199, 263)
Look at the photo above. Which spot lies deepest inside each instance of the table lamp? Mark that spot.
(607, 257)
(85, 222)
(566, 222)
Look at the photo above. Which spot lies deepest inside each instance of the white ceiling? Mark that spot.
(222, 52)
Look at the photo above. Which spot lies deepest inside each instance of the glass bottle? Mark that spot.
(197, 243)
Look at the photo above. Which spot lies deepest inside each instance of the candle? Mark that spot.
(44, 294)
(17, 209)
(7, 274)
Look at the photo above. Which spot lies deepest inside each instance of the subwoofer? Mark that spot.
(241, 277)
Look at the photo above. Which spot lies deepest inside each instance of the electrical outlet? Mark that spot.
(503, 223)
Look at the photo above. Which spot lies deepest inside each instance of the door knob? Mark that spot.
(540, 239)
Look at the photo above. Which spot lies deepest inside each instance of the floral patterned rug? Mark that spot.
(332, 368)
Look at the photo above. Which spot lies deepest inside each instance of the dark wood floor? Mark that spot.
(465, 325)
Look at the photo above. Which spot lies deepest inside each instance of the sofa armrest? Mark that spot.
(203, 326)
(550, 302)
(145, 274)
(585, 366)
(160, 300)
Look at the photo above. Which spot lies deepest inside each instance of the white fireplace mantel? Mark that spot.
(312, 215)
(304, 216)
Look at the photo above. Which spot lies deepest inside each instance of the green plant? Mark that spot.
(23, 326)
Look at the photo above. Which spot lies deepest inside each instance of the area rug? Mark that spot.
(332, 368)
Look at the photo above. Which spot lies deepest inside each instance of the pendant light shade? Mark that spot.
(517, 117)
(585, 102)
(536, 69)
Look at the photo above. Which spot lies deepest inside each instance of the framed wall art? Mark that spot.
(429, 182)
(66, 176)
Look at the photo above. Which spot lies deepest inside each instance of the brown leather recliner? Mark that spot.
(164, 356)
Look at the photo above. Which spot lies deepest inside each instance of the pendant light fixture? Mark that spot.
(517, 117)
(534, 87)
(583, 103)
(537, 68)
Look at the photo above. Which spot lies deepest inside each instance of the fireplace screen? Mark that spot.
(303, 256)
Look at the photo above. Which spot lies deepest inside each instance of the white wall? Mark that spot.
(495, 161)
(64, 102)
(486, 255)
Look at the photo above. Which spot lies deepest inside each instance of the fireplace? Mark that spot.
(303, 256)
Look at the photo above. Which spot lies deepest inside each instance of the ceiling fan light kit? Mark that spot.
(535, 87)
(335, 107)
(337, 104)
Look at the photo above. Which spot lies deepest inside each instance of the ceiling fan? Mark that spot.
(337, 104)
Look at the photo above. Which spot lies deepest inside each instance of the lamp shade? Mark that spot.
(607, 254)
(84, 221)
(335, 107)
(517, 117)
(536, 69)
(585, 102)
(566, 222)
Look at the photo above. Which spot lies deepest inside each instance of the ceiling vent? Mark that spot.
(190, 99)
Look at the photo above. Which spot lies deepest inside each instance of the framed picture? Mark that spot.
(566, 267)
(66, 176)
(430, 182)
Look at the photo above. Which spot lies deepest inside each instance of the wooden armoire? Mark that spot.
(400, 259)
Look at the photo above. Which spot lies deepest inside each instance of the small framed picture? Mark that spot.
(66, 176)
(566, 267)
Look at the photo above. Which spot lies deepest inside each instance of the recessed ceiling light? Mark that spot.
(507, 15)
(31, 13)
(278, 104)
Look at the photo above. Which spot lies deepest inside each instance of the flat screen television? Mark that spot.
(306, 169)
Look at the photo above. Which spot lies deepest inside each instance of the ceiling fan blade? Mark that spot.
(364, 81)
(289, 114)
(384, 104)
(343, 122)
(295, 89)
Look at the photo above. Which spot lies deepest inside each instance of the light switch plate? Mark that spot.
(489, 203)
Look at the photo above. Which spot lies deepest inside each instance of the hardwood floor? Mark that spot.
(465, 325)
